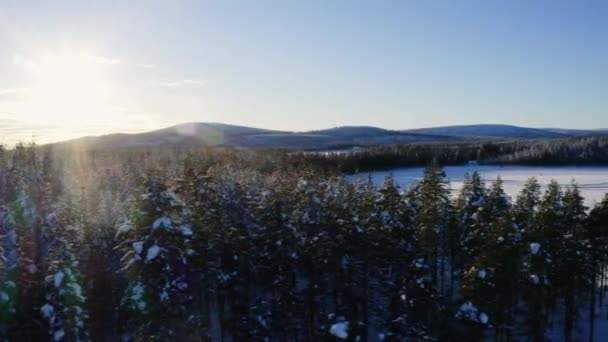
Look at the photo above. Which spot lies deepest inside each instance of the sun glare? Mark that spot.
(69, 89)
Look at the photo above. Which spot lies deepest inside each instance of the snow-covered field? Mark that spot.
(592, 180)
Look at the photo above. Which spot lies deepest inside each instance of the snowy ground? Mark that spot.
(592, 180)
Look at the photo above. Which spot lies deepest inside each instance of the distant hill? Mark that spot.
(494, 131)
(217, 134)
(579, 132)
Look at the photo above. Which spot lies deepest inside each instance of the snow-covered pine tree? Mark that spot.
(156, 243)
(466, 213)
(411, 292)
(359, 262)
(8, 253)
(386, 223)
(596, 235)
(432, 222)
(274, 304)
(542, 240)
(571, 256)
(25, 233)
(305, 219)
(524, 209)
(201, 211)
(232, 244)
(489, 281)
(65, 307)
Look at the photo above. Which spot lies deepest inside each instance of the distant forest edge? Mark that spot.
(362, 149)
(564, 151)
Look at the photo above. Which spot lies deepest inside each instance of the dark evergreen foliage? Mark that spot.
(255, 245)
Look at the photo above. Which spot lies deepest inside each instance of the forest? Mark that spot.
(563, 151)
(163, 244)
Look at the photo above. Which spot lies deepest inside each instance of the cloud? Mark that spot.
(146, 66)
(13, 90)
(105, 60)
(180, 83)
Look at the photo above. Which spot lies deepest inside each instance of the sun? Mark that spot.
(69, 89)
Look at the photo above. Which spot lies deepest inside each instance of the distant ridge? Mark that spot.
(495, 131)
(218, 134)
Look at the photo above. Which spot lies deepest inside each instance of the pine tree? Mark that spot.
(596, 232)
(274, 261)
(467, 206)
(489, 281)
(543, 241)
(432, 220)
(65, 307)
(412, 294)
(155, 243)
(24, 230)
(571, 255)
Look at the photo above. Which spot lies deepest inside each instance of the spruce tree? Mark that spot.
(596, 234)
(543, 241)
(432, 221)
(155, 243)
(489, 283)
(467, 207)
(65, 306)
(571, 256)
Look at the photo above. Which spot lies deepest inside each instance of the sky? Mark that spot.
(74, 68)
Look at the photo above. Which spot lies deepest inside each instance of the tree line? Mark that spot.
(232, 246)
(563, 151)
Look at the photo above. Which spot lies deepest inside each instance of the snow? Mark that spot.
(163, 222)
(58, 335)
(171, 195)
(534, 248)
(591, 179)
(263, 322)
(12, 237)
(58, 278)
(4, 296)
(534, 278)
(339, 330)
(471, 312)
(481, 274)
(185, 230)
(137, 296)
(125, 228)
(76, 289)
(47, 311)
(164, 296)
(51, 217)
(152, 253)
(31, 268)
(138, 246)
(478, 202)
(483, 318)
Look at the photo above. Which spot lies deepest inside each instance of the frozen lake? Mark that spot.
(592, 180)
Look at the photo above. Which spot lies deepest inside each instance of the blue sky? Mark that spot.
(300, 65)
